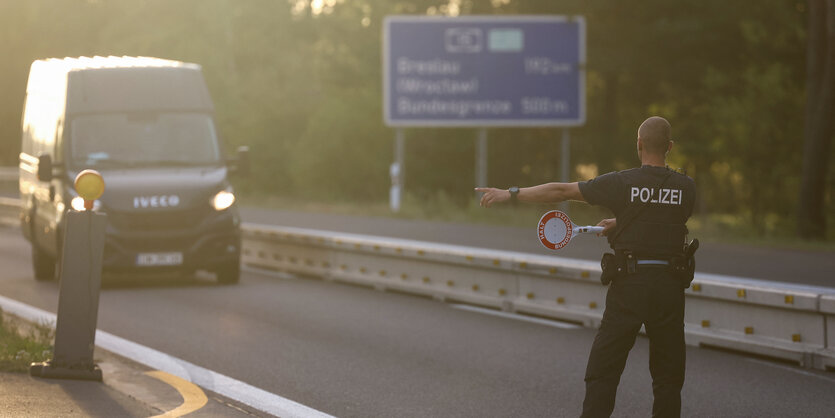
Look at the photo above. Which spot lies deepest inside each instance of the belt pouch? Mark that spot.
(609, 267)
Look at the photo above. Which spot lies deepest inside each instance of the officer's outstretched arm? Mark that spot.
(551, 193)
(543, 193)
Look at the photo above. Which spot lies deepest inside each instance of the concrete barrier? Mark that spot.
(9, 211)
(785, 321)
(781, 320)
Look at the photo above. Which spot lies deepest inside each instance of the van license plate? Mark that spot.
(159, 259)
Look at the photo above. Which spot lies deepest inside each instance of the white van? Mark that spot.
(146, 124)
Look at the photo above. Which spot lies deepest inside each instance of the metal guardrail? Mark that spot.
(9, 211)
(9, 174)
(781, 320)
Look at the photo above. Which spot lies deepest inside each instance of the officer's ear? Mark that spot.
(670, 145)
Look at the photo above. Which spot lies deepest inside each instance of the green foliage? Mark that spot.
(339, 155)
(19, 348)
(300, 83)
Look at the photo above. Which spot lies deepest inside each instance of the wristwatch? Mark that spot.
(513, 192)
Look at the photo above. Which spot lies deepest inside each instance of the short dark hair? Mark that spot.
(655, 134)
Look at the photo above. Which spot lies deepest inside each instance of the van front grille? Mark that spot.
(156, 221)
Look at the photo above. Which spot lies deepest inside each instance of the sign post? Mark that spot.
(396, 171)
(481, 159)
(485, 71)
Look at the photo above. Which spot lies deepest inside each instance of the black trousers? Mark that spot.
(653, 297)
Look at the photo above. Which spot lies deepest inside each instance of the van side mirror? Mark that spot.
(242, 163)
(44, 167)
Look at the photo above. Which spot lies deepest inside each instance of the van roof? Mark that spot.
(89, 63)
(120, 84)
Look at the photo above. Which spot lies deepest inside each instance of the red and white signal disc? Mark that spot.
(555, 230)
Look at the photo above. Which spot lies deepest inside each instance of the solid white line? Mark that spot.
(231, 388)
(792, 369)
(540, 321)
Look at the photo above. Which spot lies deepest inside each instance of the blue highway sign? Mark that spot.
(484, 71)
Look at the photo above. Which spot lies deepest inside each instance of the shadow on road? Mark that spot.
(113, 281)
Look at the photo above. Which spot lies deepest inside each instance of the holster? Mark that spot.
(684, 267)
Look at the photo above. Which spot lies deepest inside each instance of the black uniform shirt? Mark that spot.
(660, 201)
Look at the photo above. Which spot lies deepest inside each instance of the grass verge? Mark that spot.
(22, 343)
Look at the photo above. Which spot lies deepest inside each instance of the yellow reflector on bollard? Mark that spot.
(425, 279)
(749, 330)
(697, 287)
(740, 293)
(552, 270)
(593, 305)
(796, 338)
(584, 274)
(523, 265)
(502, 292)
(450, 283)
(530, 295)
(475, 288)
(90, 186)
(382, 272)
(705, 323)
(560, 300)
(790, 299)
(404, 276)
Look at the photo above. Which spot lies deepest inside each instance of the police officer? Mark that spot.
(651, 206)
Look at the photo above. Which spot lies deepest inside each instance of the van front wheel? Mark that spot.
(42, 263)
(229, 274)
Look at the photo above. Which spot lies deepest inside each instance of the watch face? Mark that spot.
(513, 190)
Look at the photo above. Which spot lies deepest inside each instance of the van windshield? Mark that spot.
(164, 139)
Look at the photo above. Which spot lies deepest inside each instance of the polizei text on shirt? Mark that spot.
(653, 195)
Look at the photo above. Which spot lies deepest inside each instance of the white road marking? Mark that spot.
(231, 388)
(792, 369)
(540, 321)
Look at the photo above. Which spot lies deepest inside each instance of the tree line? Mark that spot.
(299, 81)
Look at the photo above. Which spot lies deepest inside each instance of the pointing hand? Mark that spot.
(492, 195)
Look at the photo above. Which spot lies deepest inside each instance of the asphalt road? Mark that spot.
(356, 352)
(783, 265)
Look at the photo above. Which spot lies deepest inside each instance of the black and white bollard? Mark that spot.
(78, 300)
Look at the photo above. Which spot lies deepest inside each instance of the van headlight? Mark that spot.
(223, 199)
(77, 203)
